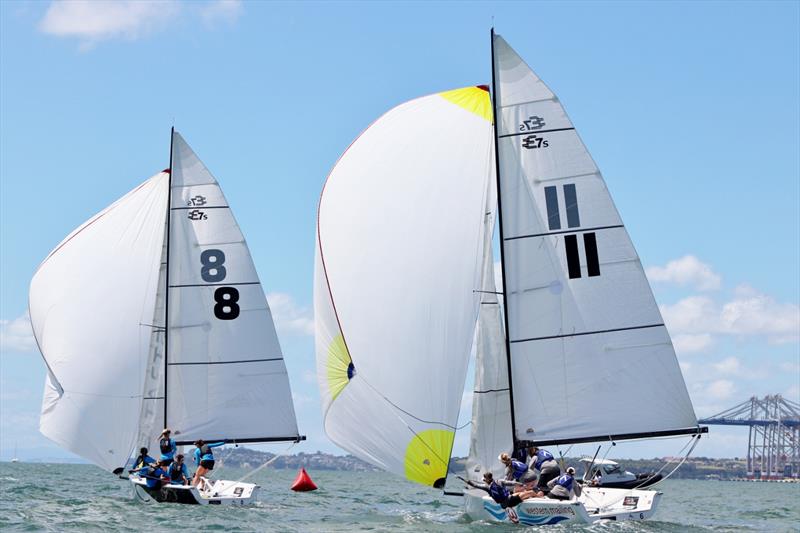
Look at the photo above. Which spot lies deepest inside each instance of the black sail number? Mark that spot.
(212, 270)
(226, 307)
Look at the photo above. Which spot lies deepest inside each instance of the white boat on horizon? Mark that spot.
(404, 272)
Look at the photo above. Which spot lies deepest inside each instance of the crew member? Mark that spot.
(167, 446)
(178, 474)
(543, 462)
(497, 490)
(204, 459)
(143, 459)
(517, 470)
(564, 487)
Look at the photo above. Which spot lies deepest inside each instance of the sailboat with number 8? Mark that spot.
(151, 315)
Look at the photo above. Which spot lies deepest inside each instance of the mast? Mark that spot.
(166, 278)
(502, 246)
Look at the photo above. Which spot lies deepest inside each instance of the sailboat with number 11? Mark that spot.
(404, 272)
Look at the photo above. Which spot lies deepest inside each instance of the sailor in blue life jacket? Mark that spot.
(500, 494)
(564, 487)
(143, 459)
(167, 446)
(154, 475)
(545, 464)
(178, 474)
(203, 458)
(517, 470)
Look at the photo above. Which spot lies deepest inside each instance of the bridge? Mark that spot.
(774, 445)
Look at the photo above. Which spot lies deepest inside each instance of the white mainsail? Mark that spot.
(587, 340)
(98, 306)
(226, 378)
(398, 263)
(91, 304)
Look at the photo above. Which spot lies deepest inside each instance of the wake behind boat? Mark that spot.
(152, 314)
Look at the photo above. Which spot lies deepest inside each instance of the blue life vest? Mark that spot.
(498, 492)
(541, 457)
(565, 481)
(168, 448)
(518, 469)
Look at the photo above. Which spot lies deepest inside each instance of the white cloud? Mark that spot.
(688, 343)
(721, 389)
(16, 335)
(729, 366)
(93, 21)
(749, 313)
(288, 316)
(97, 20)
(688, 270)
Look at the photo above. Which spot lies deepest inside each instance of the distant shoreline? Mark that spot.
(242, 457)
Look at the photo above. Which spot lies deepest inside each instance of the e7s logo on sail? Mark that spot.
(532, 141)
(533, 123)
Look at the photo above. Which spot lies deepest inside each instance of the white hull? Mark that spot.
(594, 504)
(219, 492)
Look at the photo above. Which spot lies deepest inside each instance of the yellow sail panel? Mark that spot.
(340, 366)
(399, 237)
(474, 99)
(427, 456)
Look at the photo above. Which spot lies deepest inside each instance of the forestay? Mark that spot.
(590, 356)
(491, 411)
(91, 305)
(399, 249)
(226, 378)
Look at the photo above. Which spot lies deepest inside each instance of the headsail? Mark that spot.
(398, 263)
(226, 378)
(587, 339)
(491, 411)
(91, 305)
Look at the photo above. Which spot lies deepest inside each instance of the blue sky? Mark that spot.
(691, 110)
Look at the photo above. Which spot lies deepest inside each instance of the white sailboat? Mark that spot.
(404, 272)
(150, 315)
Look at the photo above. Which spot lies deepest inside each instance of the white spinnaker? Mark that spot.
(226, 378)
(491, 409)
(398, 263)
(590, 355)
(91, 303)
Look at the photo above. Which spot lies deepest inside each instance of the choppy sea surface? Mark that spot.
(59, 497)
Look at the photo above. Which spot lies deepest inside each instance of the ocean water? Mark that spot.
(40, 497)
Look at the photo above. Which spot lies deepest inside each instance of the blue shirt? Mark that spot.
(172, 449)
(176, 473)
(208, 456)
(143, 461)
(152, 476)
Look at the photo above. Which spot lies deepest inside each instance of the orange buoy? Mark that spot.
(303, 483)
